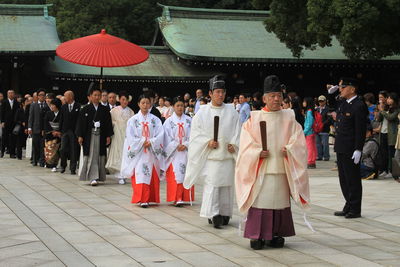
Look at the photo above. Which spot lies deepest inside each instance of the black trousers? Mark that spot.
(9, 140)
(21, 141)
(383, 144)
(69, 149)
(38, 149)
(350, 182)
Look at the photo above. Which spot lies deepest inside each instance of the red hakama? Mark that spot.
(176, 192)
(144, 193)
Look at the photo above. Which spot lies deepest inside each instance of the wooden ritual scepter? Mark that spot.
(263, 130)
(216, 128)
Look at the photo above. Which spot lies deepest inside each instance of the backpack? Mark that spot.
(379, 159)
(318, 125)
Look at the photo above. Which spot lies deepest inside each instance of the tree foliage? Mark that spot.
(367, 29)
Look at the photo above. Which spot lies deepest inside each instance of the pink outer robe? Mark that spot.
(250, 168)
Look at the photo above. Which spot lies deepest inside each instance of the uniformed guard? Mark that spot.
(351, 123)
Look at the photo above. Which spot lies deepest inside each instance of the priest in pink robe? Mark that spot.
(265, 179)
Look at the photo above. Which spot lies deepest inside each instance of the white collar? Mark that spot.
(72, 104)
(351, 99)
(218, 107)
(176, 118)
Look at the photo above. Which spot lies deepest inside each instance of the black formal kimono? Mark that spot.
(94, 140)
(51, 124)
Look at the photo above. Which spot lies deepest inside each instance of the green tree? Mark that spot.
(366, 29)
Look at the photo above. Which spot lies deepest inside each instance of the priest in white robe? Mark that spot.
(212, 162)
(268, 173)
(119, 117)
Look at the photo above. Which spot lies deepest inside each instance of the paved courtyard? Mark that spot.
(52, 219)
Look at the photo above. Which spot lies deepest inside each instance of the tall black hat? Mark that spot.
(272, 84)
(217, 82)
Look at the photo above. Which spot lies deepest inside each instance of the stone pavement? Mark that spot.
(52, 219)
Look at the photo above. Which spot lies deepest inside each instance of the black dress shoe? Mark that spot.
(277, 242)
(257, 244)
(217, 221)
(225, 220)
(13, 156)
(34, 163)
(340, 213)
(62, 170)
(352, 215)
(73, 173)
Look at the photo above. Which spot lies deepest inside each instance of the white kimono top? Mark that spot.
(119, 117)
(176, 132)
(215, 166)
(135, 158)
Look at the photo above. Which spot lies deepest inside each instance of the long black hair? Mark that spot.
(143, 96)
(310, 104)
(395, 97)
(176, 100)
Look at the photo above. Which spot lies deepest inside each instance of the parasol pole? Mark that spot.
(101, 78)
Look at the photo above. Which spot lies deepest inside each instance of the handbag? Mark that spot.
(17, 129)
(28, 149)
(80, 161)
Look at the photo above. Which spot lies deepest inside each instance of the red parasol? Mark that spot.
(102, 50)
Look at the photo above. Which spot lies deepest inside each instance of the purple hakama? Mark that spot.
(267, 223)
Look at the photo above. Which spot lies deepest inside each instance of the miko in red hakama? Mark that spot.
(176, 141)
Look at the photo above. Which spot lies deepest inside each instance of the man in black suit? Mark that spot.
(69, 114)
(8, 110)
(35, 127)
(112, 100)
(351, 124)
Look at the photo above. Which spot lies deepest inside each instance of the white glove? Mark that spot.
(356, 156)
(333, 89)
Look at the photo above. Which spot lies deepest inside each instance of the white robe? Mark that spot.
(213, 167)
(135, 158)
(173, 126)
(119, 117)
